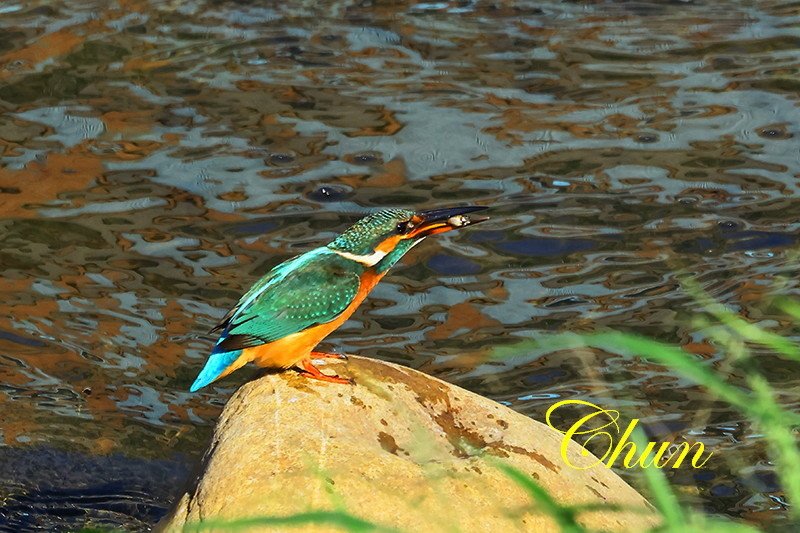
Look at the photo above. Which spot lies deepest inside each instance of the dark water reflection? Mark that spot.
(157, 157)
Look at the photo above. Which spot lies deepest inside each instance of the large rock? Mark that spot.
(399, 449)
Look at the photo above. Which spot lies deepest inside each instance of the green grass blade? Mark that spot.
(563, 516)
(782, 441)
(749, 332)
(789, 306)
(663, 497)
(671, 356)
(343, 521)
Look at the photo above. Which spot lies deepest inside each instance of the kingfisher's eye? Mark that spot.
(404, 227)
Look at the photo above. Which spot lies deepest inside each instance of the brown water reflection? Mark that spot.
(158, 157)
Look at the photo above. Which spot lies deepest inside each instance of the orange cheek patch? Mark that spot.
(389, 244)
(432, 229)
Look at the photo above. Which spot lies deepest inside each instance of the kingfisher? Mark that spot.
(281, 319)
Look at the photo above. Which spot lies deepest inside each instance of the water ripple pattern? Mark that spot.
(158, 157)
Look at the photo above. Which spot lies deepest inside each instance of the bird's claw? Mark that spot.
(310, 371)
(326, 355)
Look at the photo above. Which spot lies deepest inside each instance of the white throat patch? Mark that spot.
(369, 260)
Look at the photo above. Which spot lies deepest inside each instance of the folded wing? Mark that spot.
(290, 301)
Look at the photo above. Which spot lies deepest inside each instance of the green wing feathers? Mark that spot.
(258, 287)
(293, 297)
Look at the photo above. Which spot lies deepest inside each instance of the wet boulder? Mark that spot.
(398, 449)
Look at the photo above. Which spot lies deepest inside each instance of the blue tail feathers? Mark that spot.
(216, 365)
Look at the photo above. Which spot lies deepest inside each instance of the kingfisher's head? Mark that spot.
(379, 240)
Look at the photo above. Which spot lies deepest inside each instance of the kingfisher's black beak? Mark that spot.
(441, 220)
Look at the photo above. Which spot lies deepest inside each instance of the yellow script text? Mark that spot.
(599, 424)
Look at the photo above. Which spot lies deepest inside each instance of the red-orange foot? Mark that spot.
(326, 355)
(310, 371)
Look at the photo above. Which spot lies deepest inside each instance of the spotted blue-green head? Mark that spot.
(379, 240)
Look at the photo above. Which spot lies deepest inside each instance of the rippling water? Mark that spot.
(157, 157)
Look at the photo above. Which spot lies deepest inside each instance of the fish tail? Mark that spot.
(217, 366)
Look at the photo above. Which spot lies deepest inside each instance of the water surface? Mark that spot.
(158, 157)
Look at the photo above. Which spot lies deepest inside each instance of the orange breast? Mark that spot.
(292, 349)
